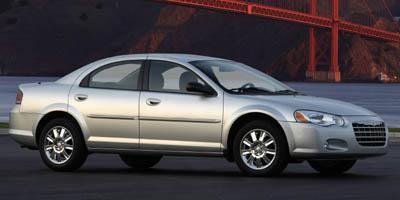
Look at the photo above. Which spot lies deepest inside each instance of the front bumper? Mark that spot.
(21, 127)
(308, 141)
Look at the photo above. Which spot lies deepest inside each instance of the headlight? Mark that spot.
(318, 118)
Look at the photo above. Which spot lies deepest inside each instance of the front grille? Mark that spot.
(372, 134)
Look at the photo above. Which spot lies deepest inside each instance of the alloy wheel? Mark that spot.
(258, 149)
(59, 145)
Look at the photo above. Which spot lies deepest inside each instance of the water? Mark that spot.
(383, 99)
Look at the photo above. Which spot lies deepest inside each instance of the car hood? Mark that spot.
(301, 102)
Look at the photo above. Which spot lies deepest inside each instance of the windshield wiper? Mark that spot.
(288, 92)
(250, 89)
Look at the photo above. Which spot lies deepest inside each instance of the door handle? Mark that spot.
(153, 102)
(81, 97)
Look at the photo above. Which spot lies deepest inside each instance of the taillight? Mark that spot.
(18, 99)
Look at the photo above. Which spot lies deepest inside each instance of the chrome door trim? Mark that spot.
(120, 117)
(157, 152)
(168, 119)
(214, 145)
(113, 140)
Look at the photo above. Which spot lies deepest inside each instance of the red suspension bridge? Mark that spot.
(333, 15)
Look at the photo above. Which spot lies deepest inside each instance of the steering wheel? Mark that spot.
(248, 85)
(245, 86)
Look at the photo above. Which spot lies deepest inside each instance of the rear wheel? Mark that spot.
(61, 145)
(140, 162)
(332, 166)
(260, 149)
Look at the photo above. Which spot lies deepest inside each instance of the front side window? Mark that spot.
(124, 76)
(239, 78)
(170, 77)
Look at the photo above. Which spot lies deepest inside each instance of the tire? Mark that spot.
(140, 162)
(269, 159)
(332, 166)
(68, 151)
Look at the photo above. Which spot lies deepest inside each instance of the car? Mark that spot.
(146, 106)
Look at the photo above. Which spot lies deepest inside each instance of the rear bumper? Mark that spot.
(22, 127)
(308, 141)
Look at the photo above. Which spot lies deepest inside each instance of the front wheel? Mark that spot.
(260, 149)
(332, 166)
(140, 162)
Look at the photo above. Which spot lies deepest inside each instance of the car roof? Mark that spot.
(175, 56)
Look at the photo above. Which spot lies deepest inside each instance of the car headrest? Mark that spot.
(157, 81)
(186, 78)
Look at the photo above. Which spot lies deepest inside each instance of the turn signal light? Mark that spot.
(18, 99)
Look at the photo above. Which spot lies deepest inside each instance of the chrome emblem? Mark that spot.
(371, 123)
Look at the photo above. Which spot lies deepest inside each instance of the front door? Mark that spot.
(108, 99)
(173, 119)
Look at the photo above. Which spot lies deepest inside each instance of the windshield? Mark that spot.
(239, 78)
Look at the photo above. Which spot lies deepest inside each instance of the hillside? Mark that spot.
(45, 37)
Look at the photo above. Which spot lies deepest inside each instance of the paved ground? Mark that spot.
(3, 131)
(23, 176)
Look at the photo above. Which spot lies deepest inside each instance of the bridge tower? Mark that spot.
(312, 72)
(328, 51)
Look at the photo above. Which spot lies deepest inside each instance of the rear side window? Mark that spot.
(123, 76)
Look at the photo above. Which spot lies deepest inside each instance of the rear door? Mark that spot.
(108, 99)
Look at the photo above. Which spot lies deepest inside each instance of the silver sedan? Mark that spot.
(145, 106)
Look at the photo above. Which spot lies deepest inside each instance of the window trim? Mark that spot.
(85, 81)
(146, 79)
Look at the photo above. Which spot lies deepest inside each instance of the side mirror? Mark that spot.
(200, 88)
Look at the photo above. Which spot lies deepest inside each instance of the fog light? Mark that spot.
(336, 145)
